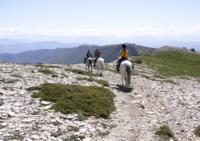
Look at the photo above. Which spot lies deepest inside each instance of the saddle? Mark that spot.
(120, 60)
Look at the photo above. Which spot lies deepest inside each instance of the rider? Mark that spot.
(123, 55)
(97, 54)
(88, 55)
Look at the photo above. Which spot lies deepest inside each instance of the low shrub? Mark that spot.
(87, 101)
(165, 132)
(46, 71)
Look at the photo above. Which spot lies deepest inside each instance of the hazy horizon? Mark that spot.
(150, 23)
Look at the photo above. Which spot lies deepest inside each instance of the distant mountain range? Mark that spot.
(72, 55)
(18, 46)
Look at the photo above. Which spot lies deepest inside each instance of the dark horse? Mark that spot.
(89, 64)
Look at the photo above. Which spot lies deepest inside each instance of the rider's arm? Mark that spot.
(121, 53)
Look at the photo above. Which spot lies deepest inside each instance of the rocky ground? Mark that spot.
(25, 118)
(154, 101)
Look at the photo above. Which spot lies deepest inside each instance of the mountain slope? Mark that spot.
(72, 55)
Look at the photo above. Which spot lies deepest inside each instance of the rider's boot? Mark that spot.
(118, 68)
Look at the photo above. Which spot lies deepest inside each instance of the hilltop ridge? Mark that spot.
(72, 55)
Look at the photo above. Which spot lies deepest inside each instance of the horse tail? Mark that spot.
(103, 65)
(90, 62)
(128, 70)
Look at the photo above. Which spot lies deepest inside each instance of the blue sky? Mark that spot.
(54, 19)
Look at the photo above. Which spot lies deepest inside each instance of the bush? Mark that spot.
(138, 61)
(77, 71)
(165, 133)
(88, 101)
(197, 131)
(192, 49)
(91, 79)
(46, 71)
(40, 65)
(102, 82)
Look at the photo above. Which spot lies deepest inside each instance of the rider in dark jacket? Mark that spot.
(88, 54)
(97, 54)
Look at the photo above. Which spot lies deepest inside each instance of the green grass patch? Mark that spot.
(165, 133)
(40, 65)
(16, 75)
(73, 138)
(14, 136)
(103, 82)
(174, 62)
(45, 71)
(197, 131)
(145, 76)
(33, 88)
(136, 60)
(170, 81)
(53, 66)
(88, 101)
(159, 76)
(91, 79)
(78, 71)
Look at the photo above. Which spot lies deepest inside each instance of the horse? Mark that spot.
(100, 66)
(89, 64)
(125, 70)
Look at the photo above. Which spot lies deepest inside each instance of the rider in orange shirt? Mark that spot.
(123, 55)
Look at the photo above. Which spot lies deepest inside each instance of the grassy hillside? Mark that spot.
(174, 62)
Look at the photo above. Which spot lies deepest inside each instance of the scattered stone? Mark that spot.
(27, 139)
(45, 103)
(70, 117)
(1, 102)
(3, 124)
(36, 137)
(11, 114)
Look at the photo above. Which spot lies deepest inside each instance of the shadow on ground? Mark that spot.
(123, 88)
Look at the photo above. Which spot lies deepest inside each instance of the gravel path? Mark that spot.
(154, 102)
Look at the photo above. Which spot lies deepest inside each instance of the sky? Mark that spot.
(109, 19)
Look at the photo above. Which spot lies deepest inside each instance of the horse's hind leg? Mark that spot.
(122, 79)
(127, 82)
(97, 69)
(101, 74)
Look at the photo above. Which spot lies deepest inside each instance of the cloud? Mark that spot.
(10, 30)
(195, 29)
(97, 31)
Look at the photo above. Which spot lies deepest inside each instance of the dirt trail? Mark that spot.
(127, 112)
(153, 102)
